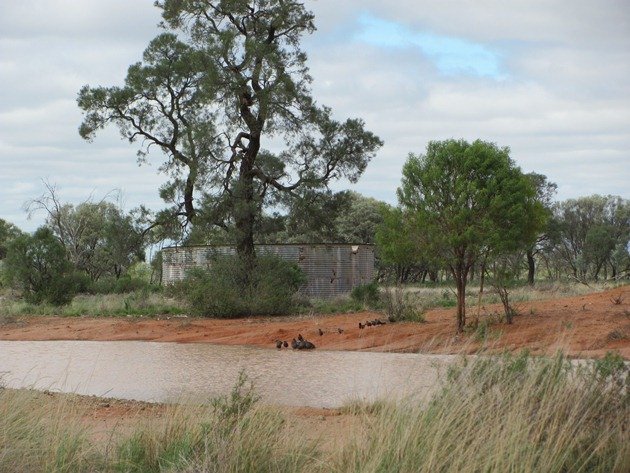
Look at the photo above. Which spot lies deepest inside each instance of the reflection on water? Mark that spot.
(169, 371)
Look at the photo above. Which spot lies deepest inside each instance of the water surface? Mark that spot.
(163, 372)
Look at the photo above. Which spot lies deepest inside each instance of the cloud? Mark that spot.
(451, 55)
(562, 104)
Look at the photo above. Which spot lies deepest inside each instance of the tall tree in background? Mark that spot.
(545, 191)
(209, 101)
(8, 232)
(399, 246)
(590, 232)
(100, 239)
(468, 199)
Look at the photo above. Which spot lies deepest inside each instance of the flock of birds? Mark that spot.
(300, 343)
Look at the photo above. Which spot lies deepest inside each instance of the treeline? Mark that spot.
(583, 239)
(95, 246)
(90, 247)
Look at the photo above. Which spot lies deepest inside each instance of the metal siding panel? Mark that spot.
(331, 270)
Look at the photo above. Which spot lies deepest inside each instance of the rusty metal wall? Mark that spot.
(330, 269)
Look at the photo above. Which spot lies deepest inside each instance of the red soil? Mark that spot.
(583, 326)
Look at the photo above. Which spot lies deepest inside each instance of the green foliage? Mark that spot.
(8, 232)
(228, 289)
(38, 265)
(367, 294)
(397, 244)
(100, 239)
(399, 306)
(141, 303)
(613, 368)
(208, 103)
(468, 199)
(239, 402)
(588, 235)
(358, 223)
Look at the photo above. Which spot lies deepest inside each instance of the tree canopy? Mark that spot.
(8, 232)
(99, 237)
(38, 265)
(225, 95)
(468, 199)
(589, 232)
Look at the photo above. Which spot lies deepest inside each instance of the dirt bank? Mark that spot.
(104, 420)
(585, 326)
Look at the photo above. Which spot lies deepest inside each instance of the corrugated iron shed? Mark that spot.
(330, 269)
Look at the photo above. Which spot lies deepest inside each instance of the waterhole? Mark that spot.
(168, 372)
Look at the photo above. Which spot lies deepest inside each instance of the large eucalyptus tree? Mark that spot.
(225, 94)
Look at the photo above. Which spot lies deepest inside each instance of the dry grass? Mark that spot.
(138, 303)
(492, 414)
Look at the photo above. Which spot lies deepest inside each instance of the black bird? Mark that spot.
(285, 344)
(294, 344)
(340, 330)
(300, 337)
(307, 345)
(321, 332)
(361, 326)
(278, 344)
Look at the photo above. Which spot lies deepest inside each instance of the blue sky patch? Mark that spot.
(450, 55)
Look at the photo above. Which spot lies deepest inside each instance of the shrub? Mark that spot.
(367, 294)
(126, 284)
(38, 265)
(399, 308)
(226, 290)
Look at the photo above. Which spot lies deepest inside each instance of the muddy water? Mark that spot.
(165, 372)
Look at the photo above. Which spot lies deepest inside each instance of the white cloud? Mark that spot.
(563, 107)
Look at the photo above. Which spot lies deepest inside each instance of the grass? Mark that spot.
(417, 300)
(512, 413)
(138, 303)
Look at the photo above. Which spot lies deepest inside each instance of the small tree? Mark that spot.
(468, 199)
(8, 232)
(38, 265)
(99, 237)
(545, 190)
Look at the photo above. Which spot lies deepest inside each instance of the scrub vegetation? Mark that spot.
(508, 413)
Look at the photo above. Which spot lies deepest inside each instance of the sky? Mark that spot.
(550, 79)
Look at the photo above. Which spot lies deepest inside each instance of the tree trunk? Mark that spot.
(482, 279)
(531, 267)
(245, 214)
(460, 275)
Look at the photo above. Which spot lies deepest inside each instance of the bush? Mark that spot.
(367, 294)
(226, 290)
(399, 308)
(126, 284)
(38, 265)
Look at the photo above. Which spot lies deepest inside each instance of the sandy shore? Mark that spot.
(584, 326)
